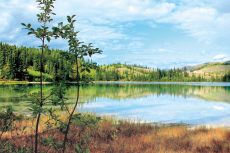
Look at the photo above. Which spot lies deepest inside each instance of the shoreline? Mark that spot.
(165, 83)
(22, 83)
(116, 120)
(11, 82)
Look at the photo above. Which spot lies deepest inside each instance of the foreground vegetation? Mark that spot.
(93, 134)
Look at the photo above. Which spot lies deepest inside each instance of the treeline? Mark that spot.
(22, 63)
(226, 77)
(118, 72)
(124, 72)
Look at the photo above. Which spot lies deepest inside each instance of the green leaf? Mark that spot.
(68, 18)
(29, 33)
(48, 39)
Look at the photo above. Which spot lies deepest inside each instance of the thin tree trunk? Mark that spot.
(41, 97)
(36, 133)
(72, 113)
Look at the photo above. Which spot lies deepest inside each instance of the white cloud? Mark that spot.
(91, 32)
(219, 108)
(201, 19)
(221, 57)
(115, 11)
(202, 22)
(100, 56)
(160, 10)
(133, 9)
(197, 22)
(12, 13)
(106, 23)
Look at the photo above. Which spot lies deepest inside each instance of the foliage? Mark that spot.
(6, 119)
(85, 120)
(72, 64)
(59, 65)
(44, 34)
(77, 53)
(10, 148)
(226, 77)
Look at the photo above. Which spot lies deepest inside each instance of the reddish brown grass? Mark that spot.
(138, 138)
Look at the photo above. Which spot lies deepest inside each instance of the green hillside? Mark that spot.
(23, 63)
(115, 72)
(209, 70)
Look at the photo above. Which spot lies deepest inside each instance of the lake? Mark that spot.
(188, 103)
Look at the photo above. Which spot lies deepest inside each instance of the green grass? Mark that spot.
(36, 74)
(8, 82)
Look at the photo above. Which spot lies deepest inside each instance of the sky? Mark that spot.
(153, 33)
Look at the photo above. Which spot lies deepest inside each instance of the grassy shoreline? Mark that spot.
(21, 82)
(10, 82)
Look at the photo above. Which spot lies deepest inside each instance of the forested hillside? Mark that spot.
(22, 63)
(213, 70)
(117, 72)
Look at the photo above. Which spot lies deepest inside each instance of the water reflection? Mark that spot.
(167, 103)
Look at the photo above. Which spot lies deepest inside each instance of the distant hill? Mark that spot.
(125, 68)
(227, 62)
(211, 68)
(216, 69)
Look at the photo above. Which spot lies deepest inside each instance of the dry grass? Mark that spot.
(173, 139)
(26, 127)
(124, 137)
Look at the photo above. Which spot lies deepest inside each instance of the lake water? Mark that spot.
(189, 103)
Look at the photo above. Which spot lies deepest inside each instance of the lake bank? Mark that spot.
(21, 83)
(165, 83)
(11, 82)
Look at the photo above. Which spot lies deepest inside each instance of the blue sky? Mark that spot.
(154, 33)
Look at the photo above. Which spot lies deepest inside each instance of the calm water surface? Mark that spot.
(189, 103)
